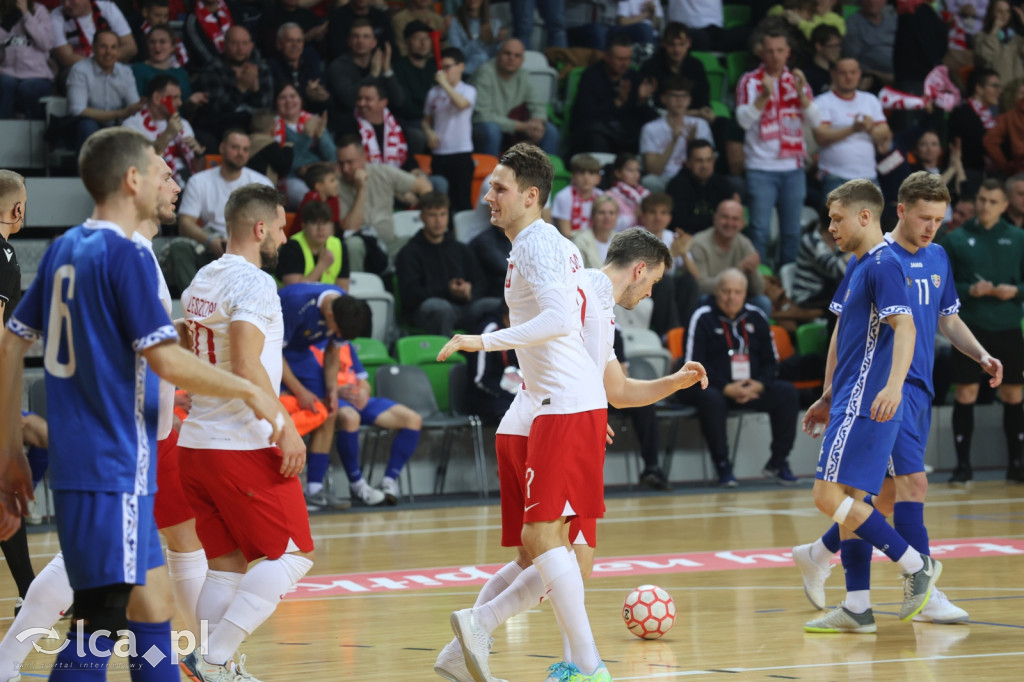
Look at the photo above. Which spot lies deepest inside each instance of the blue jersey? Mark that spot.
(932, 294)
(873, 289)
(304, 326)
(95, 304)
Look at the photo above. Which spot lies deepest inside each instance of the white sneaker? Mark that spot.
(371, 497)
(240, 671)
(813, 574)
(941, 611)
(476, 644)
(198, 670)
(451, 664)
(389, 487)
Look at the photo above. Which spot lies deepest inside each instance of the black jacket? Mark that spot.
(707, 343)
(693, 204)
(692, 69)
(492, 249)
(424, 270)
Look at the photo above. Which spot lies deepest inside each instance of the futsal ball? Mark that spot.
(649, 612)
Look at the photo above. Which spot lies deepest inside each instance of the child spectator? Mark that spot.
(627, 190)
(663, 141)
(325, 184)
(571, 207)
(314, 254)
(656, 216)
(448, 124)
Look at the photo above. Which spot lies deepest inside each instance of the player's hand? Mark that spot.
(307, 399)
(886, 403)
(267, 406)
(183, 401)
(466, 342)
(982, 287)
(1005, 292)
(816, 415)
(692, 373)
(293, 452)
(994, 368)
(16, 487)
(610, 434)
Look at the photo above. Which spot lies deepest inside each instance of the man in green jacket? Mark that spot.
(987, 257)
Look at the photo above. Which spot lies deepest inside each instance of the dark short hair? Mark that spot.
(978, 77)
(694, 145)
(156, 3)
(250, 203)
(992, 184)
(923, 186)
(677, 82)
(317, 172)
(349, 139)
(159, 83)
(101, 31)
(654, 200)
(361, 22)
(455, 54)
(415, 26)
(531, 167)
(352, 316)
(316, 213)
(107, 155)
(375, 83)
(618, 40)
(622, 159)
(675, 29)
(232, 131)
(432, 200)
(637, 243)
(166, 29)
(857, 194)
(822, 33)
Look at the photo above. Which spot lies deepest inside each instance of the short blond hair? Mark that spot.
(858, 194)
(923, 186)
(106, 157)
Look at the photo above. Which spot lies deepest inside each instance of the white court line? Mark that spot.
(718, 671)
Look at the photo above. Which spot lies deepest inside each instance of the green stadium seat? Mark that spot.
(716, 74)
(736, 15)
(562, 174)
(721, 111)
(765, 270)
(850, 10)
(737, 64)
(572, 85)
(422, 351)
(373, 354)
(812, 338)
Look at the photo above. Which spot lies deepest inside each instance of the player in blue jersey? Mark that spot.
(923, 199)
(95, 306)
(322, 317)
(861, 405)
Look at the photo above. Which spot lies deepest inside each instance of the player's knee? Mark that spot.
(347, 419)
(103, 608)
(911, 488)
(412, 420)
(826, 498)
(966, 394)
(1010, 394)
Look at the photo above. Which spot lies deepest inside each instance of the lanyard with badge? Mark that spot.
(739, 362)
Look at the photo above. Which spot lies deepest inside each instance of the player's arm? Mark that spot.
(246, 347)
(332, 365)
(625, 392)
(15, 474)
(884, 407)
(958, 333)
(817, 415)
(173, 363)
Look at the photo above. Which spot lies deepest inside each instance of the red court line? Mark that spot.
(652, 564)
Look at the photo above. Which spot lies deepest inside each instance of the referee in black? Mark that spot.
(12, 219)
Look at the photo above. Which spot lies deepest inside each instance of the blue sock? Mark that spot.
(908, 517)
(402, 448)
(880, 534)
(856, 558)
(151, 639)
(317, 463)
(831, 538)
(73, 665)
(348, 452)
(869, 499)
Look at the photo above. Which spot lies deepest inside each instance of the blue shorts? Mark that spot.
(855, 451)
(375, 407)
(912, 439)
(107, 538)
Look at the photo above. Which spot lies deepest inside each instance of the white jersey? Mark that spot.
(598, 340)
(165, 414)
(230, 289)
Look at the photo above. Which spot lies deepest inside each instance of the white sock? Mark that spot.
(219, 589)
(314, 488)
(911, 561)
(498, 582)
(524, 593)
(858, 601)
(258, 594)
(820, 554)
(566, 644)
(48, 597)
(387, 480)
(187, 571)
(359, 486)
(564, 586)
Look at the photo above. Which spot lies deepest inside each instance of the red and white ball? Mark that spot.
(649, 612)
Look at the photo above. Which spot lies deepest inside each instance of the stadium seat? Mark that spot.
(57, 202)
(22, 145)
(485, 165)
(543, 77)
(421, 350)
(461, 406)
(373, 354)
(369, 287)
(784, 349)
(645, 344)
(675, 339)
(637, 318)
(787, 273)
(572, 84)
(736, 15)
(562, 175)
(407, 223)
(736, 64)
(812, 338)
(466, 225)
(716, 74)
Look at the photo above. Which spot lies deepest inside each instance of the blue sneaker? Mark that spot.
(781, 473)
(560, 672)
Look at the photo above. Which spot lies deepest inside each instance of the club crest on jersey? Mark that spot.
(936, 280)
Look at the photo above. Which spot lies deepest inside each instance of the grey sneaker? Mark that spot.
(476, 644)
(322, 501)
(814, 575)
(941, 611)
(841, 619)
(198, 670)
(917, 587)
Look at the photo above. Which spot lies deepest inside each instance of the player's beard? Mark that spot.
(268, 256)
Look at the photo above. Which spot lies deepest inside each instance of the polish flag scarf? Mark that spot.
(99, 22)
(395, 149)
(634, 195)
(280, 126)
(984, 113)
(782, 119)
(215, 24)
(577, 218)
(176, 150)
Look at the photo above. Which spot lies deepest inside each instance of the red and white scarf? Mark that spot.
(215, 24)
(99, 22)
(782, 119)
(577, 218)
(984, 113)
(180, 56)
(891, 98)
(280, 127)
(634, 195)
(175, 151)
(395, 149)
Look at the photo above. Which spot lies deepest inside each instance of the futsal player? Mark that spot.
(862, 402)
(244, 490)
(923, 199)
(96, 308)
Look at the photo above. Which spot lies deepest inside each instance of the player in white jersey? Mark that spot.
(245, 492)
(636, 261)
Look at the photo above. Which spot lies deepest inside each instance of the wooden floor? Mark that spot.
(376, 604)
